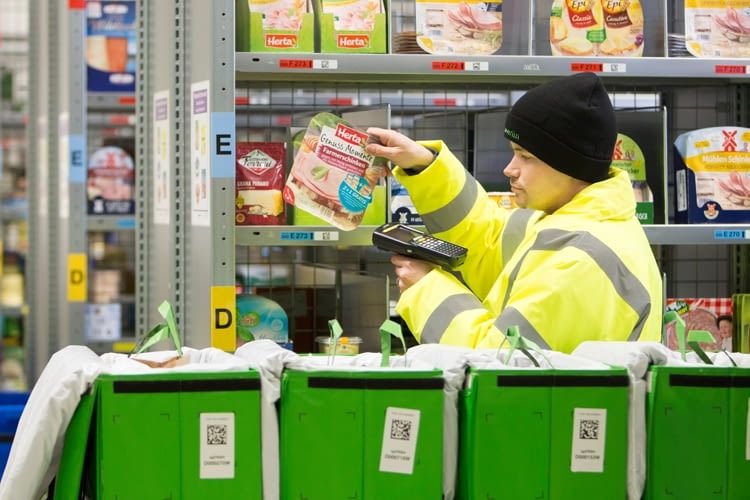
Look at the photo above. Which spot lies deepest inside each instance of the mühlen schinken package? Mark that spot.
(333, 177)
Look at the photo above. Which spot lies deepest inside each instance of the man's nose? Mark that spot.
(510, 169)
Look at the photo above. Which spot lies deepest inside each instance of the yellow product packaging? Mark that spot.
(610, 28)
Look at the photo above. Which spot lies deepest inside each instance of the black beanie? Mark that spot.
(568, 123)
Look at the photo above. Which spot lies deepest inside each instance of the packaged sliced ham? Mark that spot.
(717, 28)
(467, 27)
(259, 179)
(333, 177)
(611, 28)
(712, 169)
(110, 182)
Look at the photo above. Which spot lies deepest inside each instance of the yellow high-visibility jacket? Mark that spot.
(584, 272)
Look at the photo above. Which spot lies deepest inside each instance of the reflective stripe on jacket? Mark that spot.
(585, 272)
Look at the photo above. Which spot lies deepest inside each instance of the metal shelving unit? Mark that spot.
(479, 69)
(193, 264)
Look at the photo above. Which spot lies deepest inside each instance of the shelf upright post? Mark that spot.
(36, 347)
(159, 232)
(56, 252)
(209, 174)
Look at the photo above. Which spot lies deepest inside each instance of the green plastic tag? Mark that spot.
(387, 330)
(162, 331)
(672, 316)
(695, 337)
(517, 341)
(334, 327)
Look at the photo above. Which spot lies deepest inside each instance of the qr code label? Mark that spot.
(588, 429)
(216, 435)
(401, 429)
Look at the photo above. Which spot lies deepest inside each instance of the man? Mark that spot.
(572, 264)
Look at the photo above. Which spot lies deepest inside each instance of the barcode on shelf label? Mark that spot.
(447, 65)
(731, 69)
(583, 67)
(476, 66)
(725, 234)
(325, 64)
(614, 68)
(326, 236)
(295, 63)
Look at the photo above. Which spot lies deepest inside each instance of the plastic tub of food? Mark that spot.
(346, 345)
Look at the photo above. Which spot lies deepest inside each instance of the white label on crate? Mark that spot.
(681, 191)
(399, 440)
(614, 68)
(589, 430)
(326, 236)
(747, 434)
(217, 446)
(325, 64)
(476, 66)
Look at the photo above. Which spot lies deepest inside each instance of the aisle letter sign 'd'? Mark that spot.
(223, 325)
(77, 277)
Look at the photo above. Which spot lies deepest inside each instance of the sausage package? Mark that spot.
(332, 176)
(717, 28)
(610, 28)
(712, 168)
(259, 178)
(467, 27)
(709, 314)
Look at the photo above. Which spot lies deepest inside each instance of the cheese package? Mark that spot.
(333, 177)
(110, 182)
(467, 27)
(612, 28)
(351, 26)
(712, 168)
(259, 179)
(629, 157)
(278, 25)
(717, 28)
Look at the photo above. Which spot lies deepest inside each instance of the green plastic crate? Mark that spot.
(517, 434)
(332, 434)
(698, 444)
(167, 436)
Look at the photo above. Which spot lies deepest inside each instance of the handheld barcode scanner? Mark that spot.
(407, 241)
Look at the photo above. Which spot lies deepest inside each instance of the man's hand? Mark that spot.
(409, 271)
(399, 149)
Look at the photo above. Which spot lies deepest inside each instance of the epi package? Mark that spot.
(610, 28)
(458, 27)
(712, 169)
(717, 28)
(259, 179)
(333, 177)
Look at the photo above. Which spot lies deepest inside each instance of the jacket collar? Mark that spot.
(610, 199)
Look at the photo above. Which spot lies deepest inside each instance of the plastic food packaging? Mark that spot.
(333, 177)
(345, 345)
(717, 28)
(259, 178)
(629, 157)
(611, 28)
(712, 168)
(460, 27)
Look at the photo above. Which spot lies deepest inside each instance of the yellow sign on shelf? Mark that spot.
(77, 279)
(223, 318)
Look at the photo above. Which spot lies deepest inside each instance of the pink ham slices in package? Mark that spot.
(333, 177)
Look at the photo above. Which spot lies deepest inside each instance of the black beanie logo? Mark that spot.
(512, 134)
